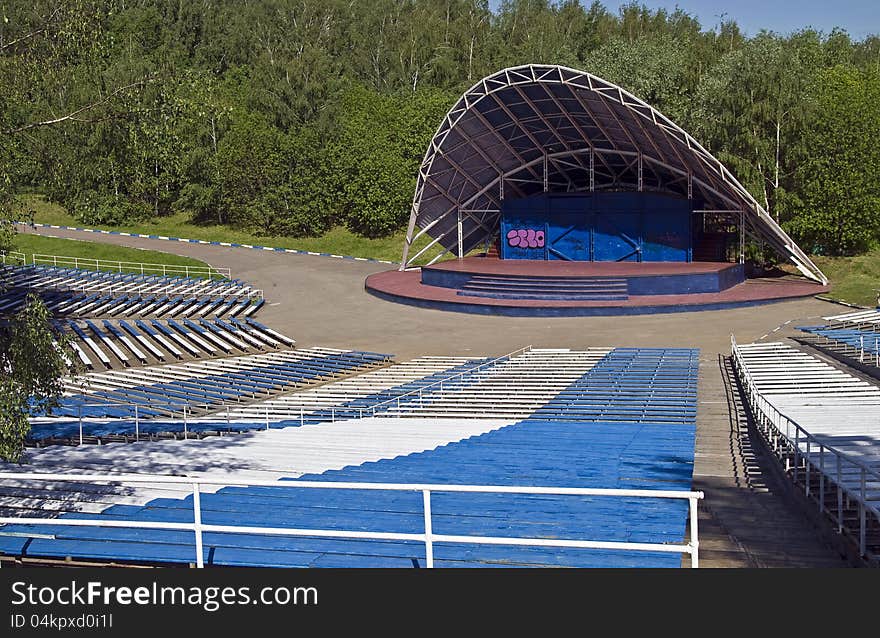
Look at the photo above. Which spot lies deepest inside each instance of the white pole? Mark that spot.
(137, 425)
(862, 521)
(197, 525)
(429, 539)
(839, 498)
(695, 542)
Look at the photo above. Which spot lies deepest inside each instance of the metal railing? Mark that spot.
(167, 289)
(460, 375)
(13, 257)
(873, 354)
(222, 412)
(428, 537)
(806, 458)
(86, 263)
(179, 416)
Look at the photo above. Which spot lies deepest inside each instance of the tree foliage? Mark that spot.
(838, 179)
(293, 116)
(32, 363)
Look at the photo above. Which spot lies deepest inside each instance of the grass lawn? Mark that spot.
(35, 244)
(338, 241)
(853, 279)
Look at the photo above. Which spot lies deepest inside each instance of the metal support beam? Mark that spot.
(546, 179)
(641, 178)
(460, 250)
(592, 170)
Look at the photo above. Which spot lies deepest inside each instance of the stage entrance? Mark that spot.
(612, 226)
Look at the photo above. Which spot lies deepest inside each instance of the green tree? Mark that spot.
(750, 111)
(838, 181)
(32, 363)
(375, 157)
(652, 68)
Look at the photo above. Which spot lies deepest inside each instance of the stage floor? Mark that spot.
(406, 287)
(543, 268)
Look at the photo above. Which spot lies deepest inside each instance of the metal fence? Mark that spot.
(86, 263)
(813, 465)
(13, 258)
(428, 537)
(181, 414)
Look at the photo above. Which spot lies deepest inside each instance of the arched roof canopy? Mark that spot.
(535, 128)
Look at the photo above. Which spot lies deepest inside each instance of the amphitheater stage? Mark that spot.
(491, 286)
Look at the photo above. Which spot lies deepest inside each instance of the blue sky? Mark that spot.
(858, 17)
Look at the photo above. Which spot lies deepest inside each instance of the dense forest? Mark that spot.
(290, 117)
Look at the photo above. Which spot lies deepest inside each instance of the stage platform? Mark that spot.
(487, 285)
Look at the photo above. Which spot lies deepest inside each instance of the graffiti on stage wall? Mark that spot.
(525, 238)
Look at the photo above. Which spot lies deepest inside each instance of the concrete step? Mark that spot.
(550, 297)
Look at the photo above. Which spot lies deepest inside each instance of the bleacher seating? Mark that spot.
(361, 395)
(835, 411)
(71, 292)
(479, 388)
(151, 392)
(642, 451)
(119, 342)
(857, 338)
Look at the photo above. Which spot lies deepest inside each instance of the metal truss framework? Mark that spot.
(543, 128)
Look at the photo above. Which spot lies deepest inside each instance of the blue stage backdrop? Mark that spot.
(612, 226)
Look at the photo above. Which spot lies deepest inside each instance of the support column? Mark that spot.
(546, 175)
(641, 179)
(460, 238)
(592, 170)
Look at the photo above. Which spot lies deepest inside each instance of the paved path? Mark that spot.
(321, 301)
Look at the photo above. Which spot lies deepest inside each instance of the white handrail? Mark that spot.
(130, 266)
(787, 437)
(13, 257)
(428, 537)
(448, 379)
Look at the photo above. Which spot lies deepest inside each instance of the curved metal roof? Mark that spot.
(538, 128)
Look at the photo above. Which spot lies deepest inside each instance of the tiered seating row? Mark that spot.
(360, 396)
(823, 423)
(512, 389)
(632, 384)
(861, 343)
(153, 341)
(530, 453)
(857, 318)
(162, 390)
(536, 451)
(781, 371)
(87, 293)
